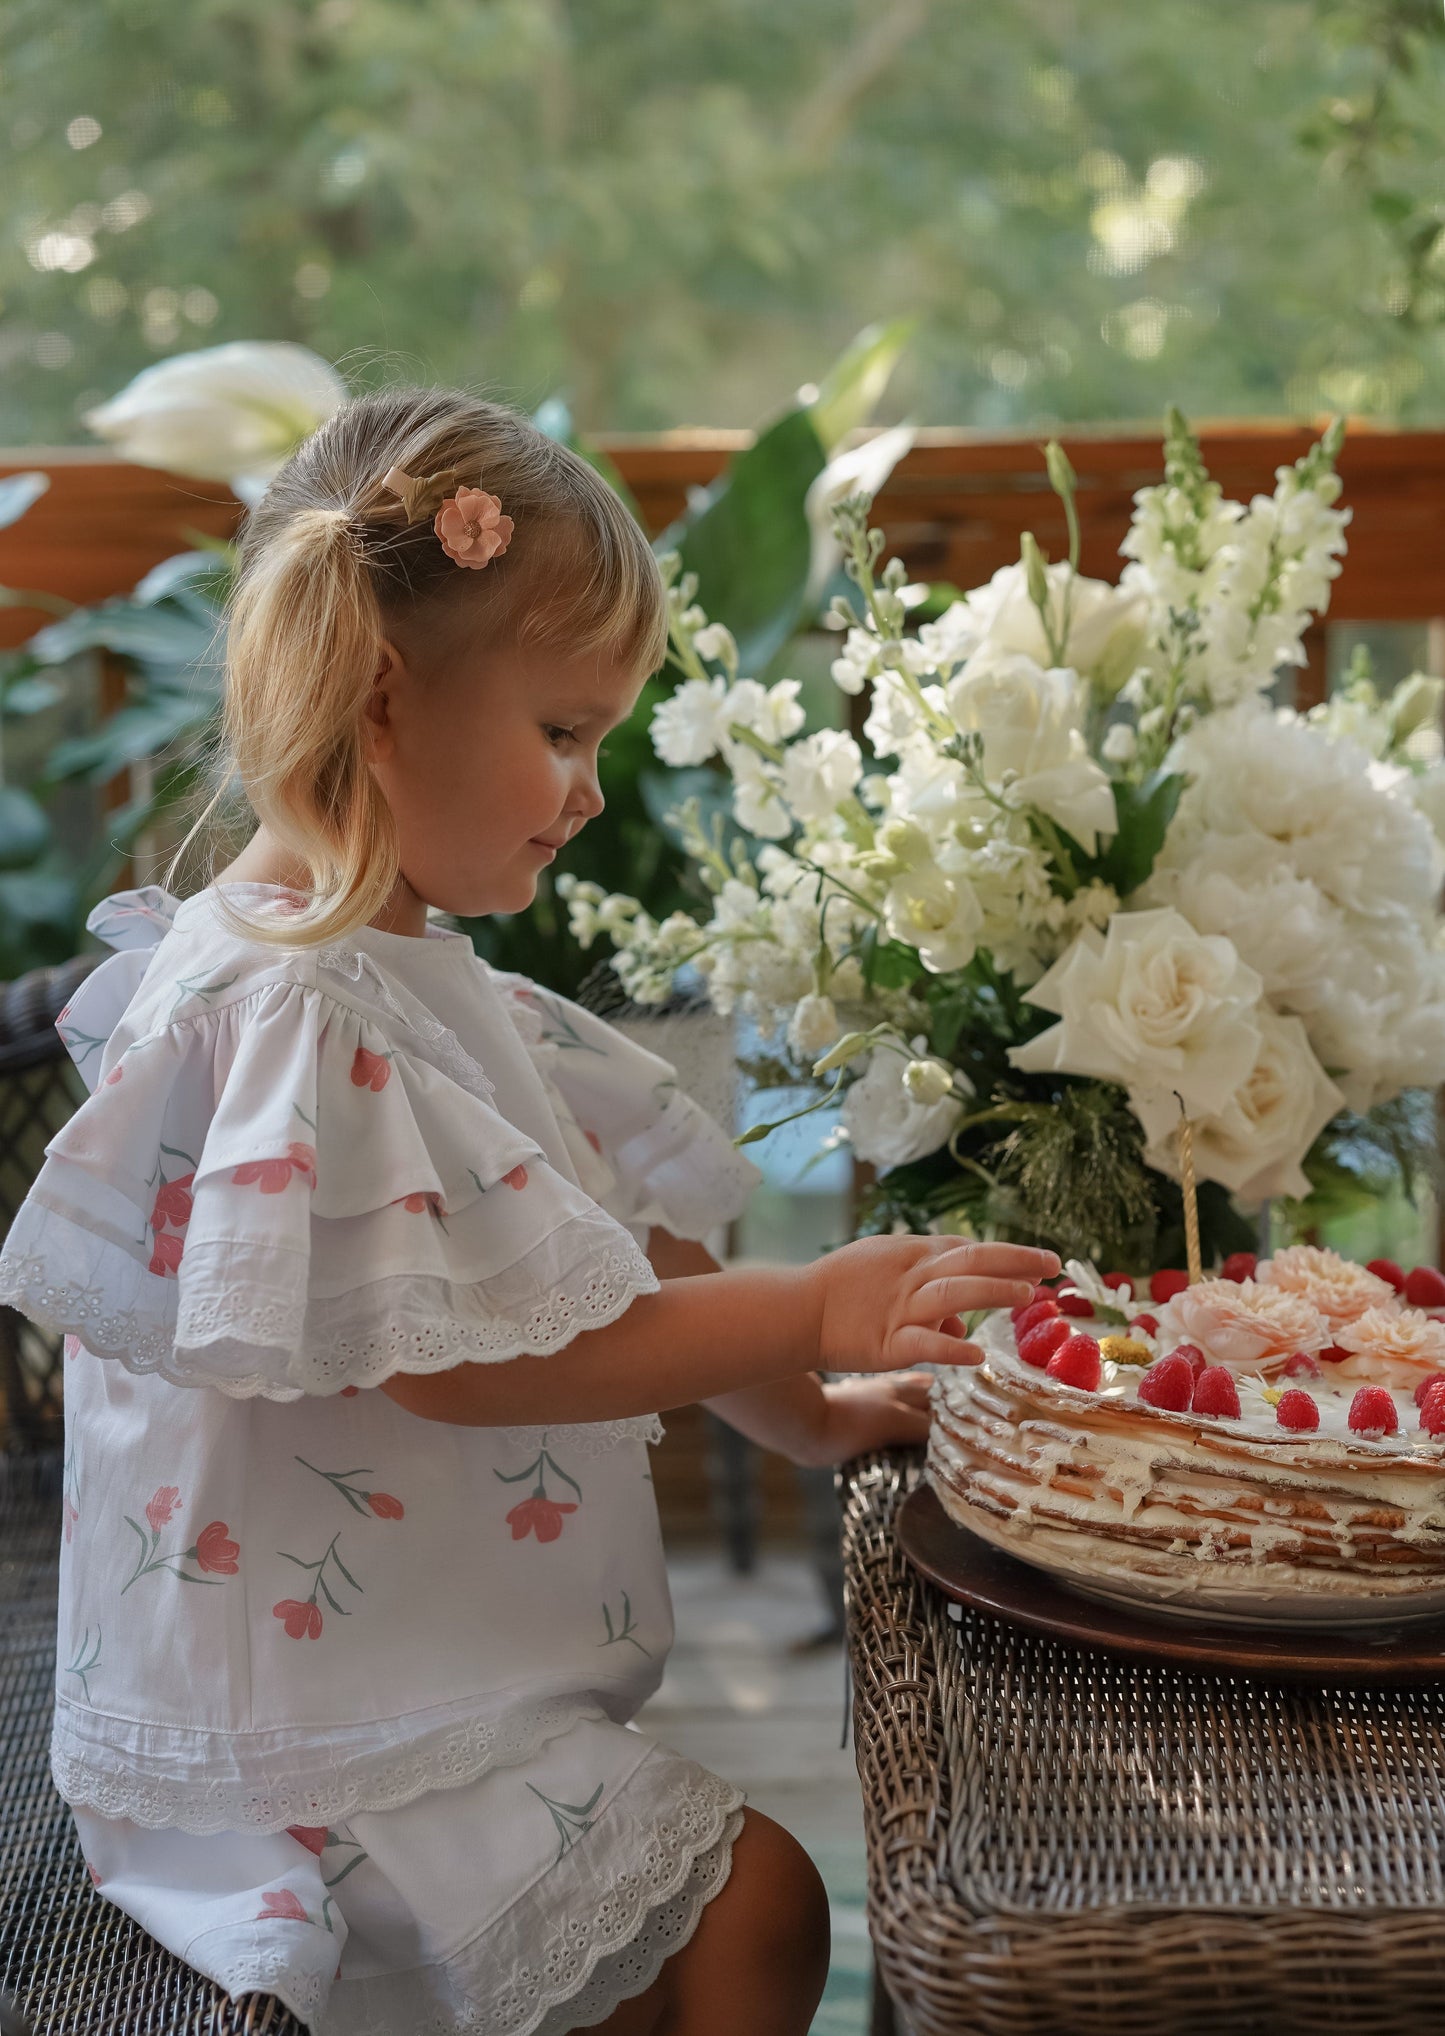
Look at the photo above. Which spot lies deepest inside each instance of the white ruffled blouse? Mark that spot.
(299, 1172)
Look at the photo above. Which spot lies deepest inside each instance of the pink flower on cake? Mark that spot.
(1392, 1346)
(472, 528)
(1243, 1324)
(1341, 1290)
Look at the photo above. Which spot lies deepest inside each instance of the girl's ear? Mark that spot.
(376, 713)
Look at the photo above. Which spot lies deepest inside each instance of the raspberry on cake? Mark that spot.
(1197, 1485)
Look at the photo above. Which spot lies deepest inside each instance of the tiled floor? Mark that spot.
(747, 1696)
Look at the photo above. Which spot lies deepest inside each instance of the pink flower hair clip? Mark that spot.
(470, 524)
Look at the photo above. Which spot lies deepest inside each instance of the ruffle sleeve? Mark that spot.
(272, 1196)
(655, 1155)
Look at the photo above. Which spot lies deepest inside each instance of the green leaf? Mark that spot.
(1144, 812)
(135, 731)
(151, 634)
(17, 493)
(24, 829)
(750, 543)
(31, 696)
(39, 920)
(850, 391)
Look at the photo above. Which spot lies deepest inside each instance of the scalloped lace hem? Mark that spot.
(579, 1277)
(587, 1947)
(459, 1753)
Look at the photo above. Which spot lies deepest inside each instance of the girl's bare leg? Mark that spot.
(758, 1957)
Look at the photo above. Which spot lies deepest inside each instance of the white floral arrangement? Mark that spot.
(1084, 879)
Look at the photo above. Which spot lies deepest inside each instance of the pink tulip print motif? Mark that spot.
(273, 1176)
(302, 1617)
(319, 1839)
(171, 1210)
(371, 1070)
(69, 1494)
(281, 1905)
(213, 1552)
(380, 1505)
(540, 1513)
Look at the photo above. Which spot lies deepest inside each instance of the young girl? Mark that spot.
(357, 1243)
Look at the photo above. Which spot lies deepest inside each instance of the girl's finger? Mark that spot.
(915, 1344)
(995, 1261)
(912, 1388)
(962, 1294)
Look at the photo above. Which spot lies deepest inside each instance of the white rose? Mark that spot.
(1106, 632)
(1256, 1143)
(689, 725)
(882, 1120)
(938, 915)
(813, 1027)
(1030, 720)
(231, 413)
(819, 773)
(1151, 1003)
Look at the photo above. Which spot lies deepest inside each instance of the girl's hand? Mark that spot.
(864, 1414)
(888, 1303)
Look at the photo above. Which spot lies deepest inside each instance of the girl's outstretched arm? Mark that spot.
(882, 1304)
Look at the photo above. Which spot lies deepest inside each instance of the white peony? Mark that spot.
(884, 1124)
(1151, 1004)
(1256, 1143)
(1031, 723)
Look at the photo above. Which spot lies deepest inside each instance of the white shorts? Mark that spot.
(525, 1903)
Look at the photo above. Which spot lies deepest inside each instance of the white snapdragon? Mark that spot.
(1095, 629)
(771, 712)
(819, 773)
(813, 1027)
(857, 663)
(691, 724)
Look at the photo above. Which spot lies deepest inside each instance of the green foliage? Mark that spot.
(1087, 207)
(1144, 813)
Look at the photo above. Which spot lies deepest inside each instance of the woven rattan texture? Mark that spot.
(1060, 1842)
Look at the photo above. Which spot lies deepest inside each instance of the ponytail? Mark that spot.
(303, 647)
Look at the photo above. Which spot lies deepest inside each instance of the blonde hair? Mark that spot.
(328, 567)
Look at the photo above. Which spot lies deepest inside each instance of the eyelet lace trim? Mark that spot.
(235, 1335)
(586, 1948)
(456, 1753)
(270, 1970)
(450, 1055)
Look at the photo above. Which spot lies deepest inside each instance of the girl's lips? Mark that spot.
(546, 847)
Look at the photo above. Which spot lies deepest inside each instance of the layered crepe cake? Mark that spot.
(1268, 1447)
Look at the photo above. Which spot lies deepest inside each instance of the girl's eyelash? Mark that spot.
(552, 731)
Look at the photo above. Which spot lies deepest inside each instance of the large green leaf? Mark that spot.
(1144, 813)
(39, 920)
(750, 544)
(137, 730)
(851, 390)
(151, 634)
(24, 829)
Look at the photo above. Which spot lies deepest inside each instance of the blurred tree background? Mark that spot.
(672, 213)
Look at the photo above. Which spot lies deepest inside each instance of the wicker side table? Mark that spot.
(1059, 1841)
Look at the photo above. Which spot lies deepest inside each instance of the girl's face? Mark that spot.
(491, 767)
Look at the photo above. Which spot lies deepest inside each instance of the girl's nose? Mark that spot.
(589, 799)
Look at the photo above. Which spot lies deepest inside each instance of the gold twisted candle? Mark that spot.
(1191, 1193)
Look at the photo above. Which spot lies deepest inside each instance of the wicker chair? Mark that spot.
(70, 1964)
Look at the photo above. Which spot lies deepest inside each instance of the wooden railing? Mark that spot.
(954, 509)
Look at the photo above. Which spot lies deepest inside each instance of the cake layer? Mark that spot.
(1102, 1489)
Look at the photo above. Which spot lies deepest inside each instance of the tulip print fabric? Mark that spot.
(288, 1605)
